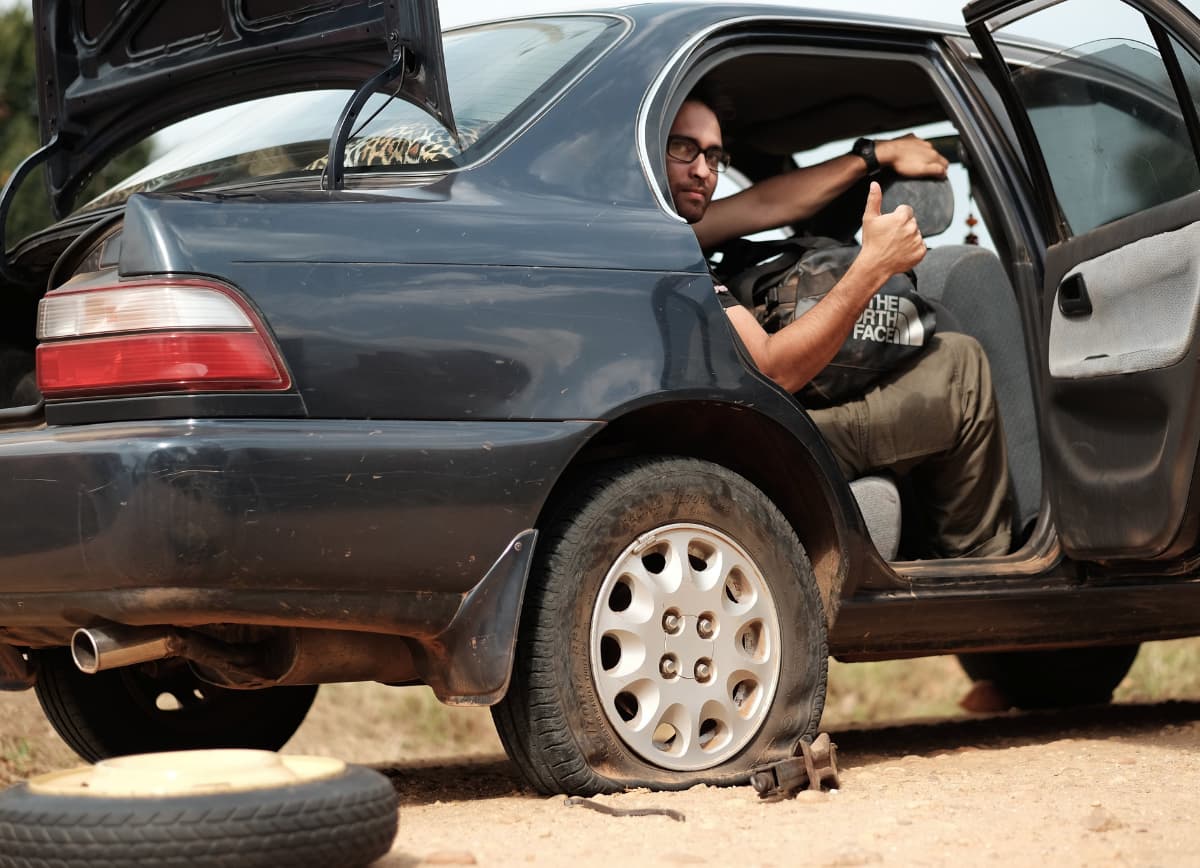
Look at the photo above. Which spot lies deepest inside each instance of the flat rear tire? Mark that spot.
(672, 634)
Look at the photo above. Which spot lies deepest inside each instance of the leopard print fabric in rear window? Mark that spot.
(411, 144)
(408, 145)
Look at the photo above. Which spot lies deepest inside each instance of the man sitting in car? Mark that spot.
(934, 421)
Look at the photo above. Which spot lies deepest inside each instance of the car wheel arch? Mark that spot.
(772, 455)
(591, 707)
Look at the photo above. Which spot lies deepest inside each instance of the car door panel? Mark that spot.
(1153, 282)
(1123, 457)
(1120, 294)
(1121, 438)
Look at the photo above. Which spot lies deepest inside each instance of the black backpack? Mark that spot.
(781, 280)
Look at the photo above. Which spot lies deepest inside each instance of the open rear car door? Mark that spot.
(1110, 136)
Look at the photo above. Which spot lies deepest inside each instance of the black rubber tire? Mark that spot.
(114, 712)
(551, 721)
(349, 819)
(1060, 678)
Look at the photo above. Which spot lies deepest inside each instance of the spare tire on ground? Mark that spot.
(228, 808)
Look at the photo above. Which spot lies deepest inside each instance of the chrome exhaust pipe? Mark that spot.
(296, 657)
(97, 648)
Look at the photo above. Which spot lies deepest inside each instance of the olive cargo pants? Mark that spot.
(936, 422)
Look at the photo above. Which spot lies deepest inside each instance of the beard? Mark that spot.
(688, 207)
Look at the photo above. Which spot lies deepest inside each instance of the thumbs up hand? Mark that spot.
(891, 243)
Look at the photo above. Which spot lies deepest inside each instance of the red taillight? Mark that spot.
(153, 336)
(157, 362)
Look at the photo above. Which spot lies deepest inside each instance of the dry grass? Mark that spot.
(1163, 670)
(28, 744)
(373, 723)
(932, 686)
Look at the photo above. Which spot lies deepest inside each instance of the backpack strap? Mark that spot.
(752, 266)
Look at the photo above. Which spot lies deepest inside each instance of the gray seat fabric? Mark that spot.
(970, 282)
(879, 501)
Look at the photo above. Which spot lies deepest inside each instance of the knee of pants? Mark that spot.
(964, 349)
(967, 365)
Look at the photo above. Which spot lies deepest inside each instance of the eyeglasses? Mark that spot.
(684, 149)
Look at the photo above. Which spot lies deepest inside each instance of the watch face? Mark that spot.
(865, 148)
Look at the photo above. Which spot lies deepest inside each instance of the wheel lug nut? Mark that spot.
(672, 622)
(668, 666)
(705, 626)
(703, 670)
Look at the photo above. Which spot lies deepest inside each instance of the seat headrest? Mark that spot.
(932, 201)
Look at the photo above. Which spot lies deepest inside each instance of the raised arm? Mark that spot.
(797, 353)
(799, 194)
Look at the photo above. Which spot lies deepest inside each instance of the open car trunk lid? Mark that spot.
(114, 71)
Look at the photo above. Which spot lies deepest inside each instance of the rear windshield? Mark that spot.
(499, 75)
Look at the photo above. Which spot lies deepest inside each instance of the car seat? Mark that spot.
(972, 295)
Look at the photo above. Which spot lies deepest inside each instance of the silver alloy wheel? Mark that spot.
(685, 647)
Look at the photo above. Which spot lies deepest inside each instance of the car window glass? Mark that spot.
(1078, 22)
(1104, 114)
(499, 75)
(526, 61)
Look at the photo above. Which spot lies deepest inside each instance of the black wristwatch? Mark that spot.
(865, 148)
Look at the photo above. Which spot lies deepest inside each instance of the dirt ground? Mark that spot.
(1111, 786)
(1103, 786)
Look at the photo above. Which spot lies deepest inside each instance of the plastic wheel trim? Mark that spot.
(685, 647)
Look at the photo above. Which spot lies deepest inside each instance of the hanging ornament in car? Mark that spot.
(971, 221)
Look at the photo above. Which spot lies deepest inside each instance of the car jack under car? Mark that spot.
(811, 766)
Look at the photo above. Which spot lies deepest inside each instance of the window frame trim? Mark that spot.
(1183, 95)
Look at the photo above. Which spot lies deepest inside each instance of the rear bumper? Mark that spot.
(380, 526)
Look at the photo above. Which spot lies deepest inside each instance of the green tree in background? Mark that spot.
(18, 121)
(19, 136)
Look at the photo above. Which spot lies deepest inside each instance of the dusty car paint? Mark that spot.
(461, 345)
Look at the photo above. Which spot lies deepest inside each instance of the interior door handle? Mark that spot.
(1073, 298)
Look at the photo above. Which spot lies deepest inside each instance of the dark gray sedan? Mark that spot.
(396, 364)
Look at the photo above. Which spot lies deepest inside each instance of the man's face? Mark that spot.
(692, 184)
